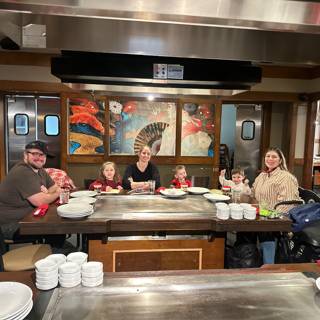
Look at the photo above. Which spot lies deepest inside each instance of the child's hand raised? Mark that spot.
(223, 172)
(246, 182)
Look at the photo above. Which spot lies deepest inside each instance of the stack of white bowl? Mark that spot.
(59, 258)
(250, 213)
(92, 274)
(236, 211)
(46, 274)
(223, 211)
(77, 257)
(69, 274)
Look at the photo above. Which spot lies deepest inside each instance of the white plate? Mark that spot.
(14, 298)
(74, 208)
(172, 193)
(214, 197)
(88, 200)
(111, 191)
(83, 193)
(23, 312)
(198, 190)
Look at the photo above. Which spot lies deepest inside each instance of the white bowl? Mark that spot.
(47, 274)
(92, 284)
(70, 277)
(69, 267)
(40, 277)
(77, 257)
(47, 286)
(92, 267)
(66, 284)
(59, 258)
(46, 265)
(91, 275)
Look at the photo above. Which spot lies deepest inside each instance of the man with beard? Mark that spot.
(26, 187)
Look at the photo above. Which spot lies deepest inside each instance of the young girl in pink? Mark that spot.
(109, 177)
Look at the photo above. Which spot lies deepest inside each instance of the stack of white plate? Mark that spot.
(69, 275)
(92, 274)
(15, 300)
(77, 257)
(88, 200)
(46, 274)
(75, 210)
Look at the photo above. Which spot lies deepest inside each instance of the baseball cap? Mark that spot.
(40, 145)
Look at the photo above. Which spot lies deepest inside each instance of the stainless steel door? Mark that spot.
(26, 122)
(248, 139)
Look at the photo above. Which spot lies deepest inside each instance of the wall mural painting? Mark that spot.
(136, 123)
(86, 126)
(197, 135)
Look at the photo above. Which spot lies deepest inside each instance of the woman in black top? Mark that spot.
(137, 175)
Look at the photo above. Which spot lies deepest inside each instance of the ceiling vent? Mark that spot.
(171, 72)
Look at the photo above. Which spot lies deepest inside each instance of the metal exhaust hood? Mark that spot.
(153, 71)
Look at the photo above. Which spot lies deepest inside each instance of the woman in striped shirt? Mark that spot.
(274, 184)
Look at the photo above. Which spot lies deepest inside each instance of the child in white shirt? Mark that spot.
(237, 182)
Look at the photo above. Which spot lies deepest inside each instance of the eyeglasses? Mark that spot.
(37, 154)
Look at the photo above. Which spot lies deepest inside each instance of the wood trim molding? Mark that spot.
(26, 58)
(309, 145)
(292, 119)
(2, 139)
(298, 162)
(265, 128)
(33, 86)
(259, 96)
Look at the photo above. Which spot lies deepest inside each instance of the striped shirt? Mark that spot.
(278, 185)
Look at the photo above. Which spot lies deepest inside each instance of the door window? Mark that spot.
(247, 130)
(21, 124)
(51, 125)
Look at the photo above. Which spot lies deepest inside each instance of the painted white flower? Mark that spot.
(115, 107)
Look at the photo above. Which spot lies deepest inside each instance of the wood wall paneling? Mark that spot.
(309, 145)
(212, 254)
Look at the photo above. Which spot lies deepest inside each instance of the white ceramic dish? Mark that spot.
(92, 267)
(21, 315)
(59, 258)
(112, 191)
(88, 200)
(83, 193)
(14, 298)
(216, 197)
(47, 286)
(69, 284)
(198, 190)
(172, 193)
(92, 284)
(69, 267)
(77, 256)
(46, 265)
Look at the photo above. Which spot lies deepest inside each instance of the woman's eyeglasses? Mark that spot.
(37, 154)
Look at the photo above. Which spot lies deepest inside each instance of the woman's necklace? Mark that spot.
(142, 167)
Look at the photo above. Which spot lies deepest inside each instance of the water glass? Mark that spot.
(152, 186)
(64, 196)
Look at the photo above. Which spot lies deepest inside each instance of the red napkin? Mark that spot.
(159, 189)
(41, 210)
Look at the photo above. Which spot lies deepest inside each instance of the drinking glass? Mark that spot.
(64, 196)
(152, 186)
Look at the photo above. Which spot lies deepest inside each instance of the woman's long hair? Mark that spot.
(283, 163)
(116, 177)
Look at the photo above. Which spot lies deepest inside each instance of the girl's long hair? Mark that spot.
(116, 177)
